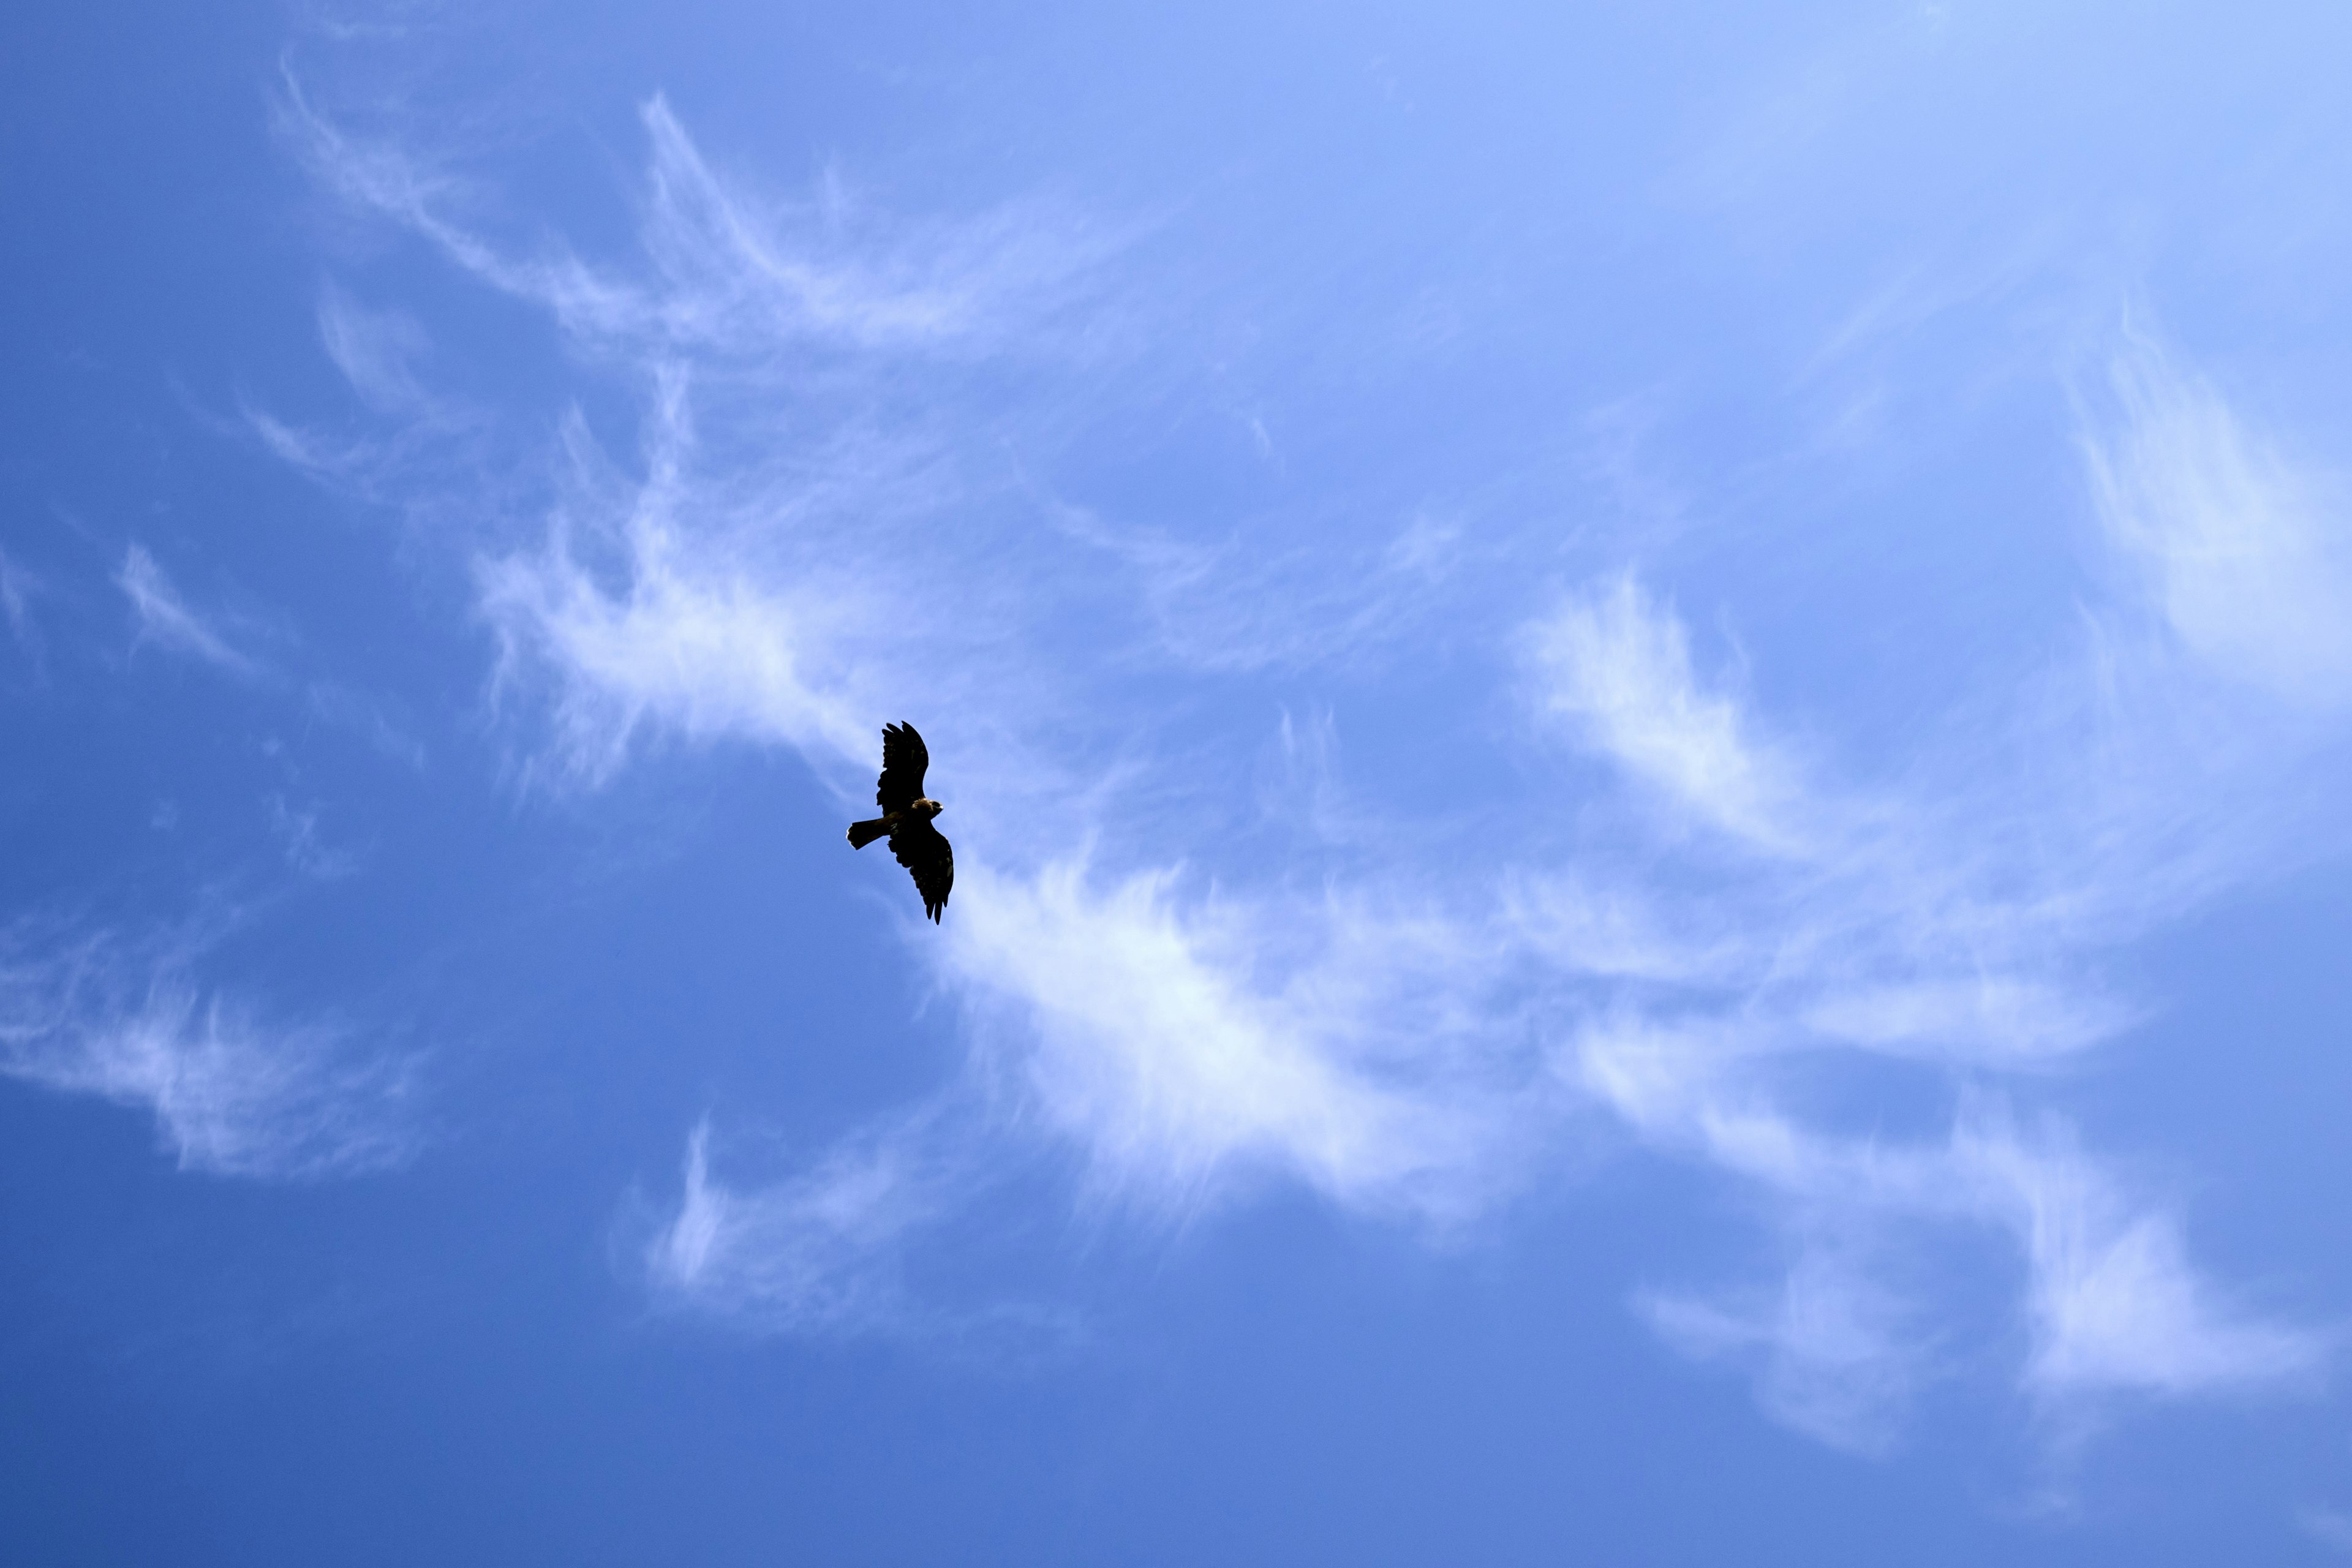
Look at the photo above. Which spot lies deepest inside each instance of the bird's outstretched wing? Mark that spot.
(904, 760)
(923, 851)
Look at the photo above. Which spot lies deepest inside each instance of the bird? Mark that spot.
(906, 815)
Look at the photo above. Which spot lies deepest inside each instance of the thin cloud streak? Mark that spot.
(734, 279)
(232, 1091)
(17, 587)
(374, 349)
(165, 620)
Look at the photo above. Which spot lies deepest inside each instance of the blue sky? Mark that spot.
(1644, 709)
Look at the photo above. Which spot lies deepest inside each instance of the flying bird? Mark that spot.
(906, 815)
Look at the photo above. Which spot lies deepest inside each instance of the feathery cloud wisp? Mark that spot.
(816, 1253)
(1620, 670)
(232, 1091)
(2246, 553)
(373, 349)
(16, 588)
(167, 621)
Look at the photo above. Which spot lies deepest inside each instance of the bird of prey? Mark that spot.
(907, 818)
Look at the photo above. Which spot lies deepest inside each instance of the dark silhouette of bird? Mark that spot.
(906, 815)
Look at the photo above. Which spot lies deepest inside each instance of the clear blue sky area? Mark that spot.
(1645, 713)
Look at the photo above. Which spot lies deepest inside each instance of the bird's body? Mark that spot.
(906, 815)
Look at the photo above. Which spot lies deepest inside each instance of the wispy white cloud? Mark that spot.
(233, 1090)
(16, 589)
(1944, 934)
(375, 350)
(733, 579)
(1248, 603)
(2000, 1020)
(306, 851)
(838, 1248)
(1619, 668)
(2114, 1304)
(1411, 1034)
(732, 274)
(689, 641)
(2246, 552)
(818, 1252)
(1837, 1355)
(167, 621)
(1157, 1039)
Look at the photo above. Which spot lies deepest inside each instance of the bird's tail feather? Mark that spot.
(861, 834)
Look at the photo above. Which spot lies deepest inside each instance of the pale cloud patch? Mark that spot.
(2245, 552)
(2330, 1527)
(737, 267)
(1957, 933)
(705, 653)
(233, 1090)
(819, 1252)
(307, 450)
(750, 582)
(2005, 1020)
(837, 1248)
(1181, 1070)
(1837, 1355)
(1616, 666)
(17, 587)
(2114, 1304)
(164, 619)
(375, 350)
(1601, 928)
(734, 275)
(307, 849)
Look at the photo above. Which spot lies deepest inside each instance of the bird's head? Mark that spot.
(929, 807)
